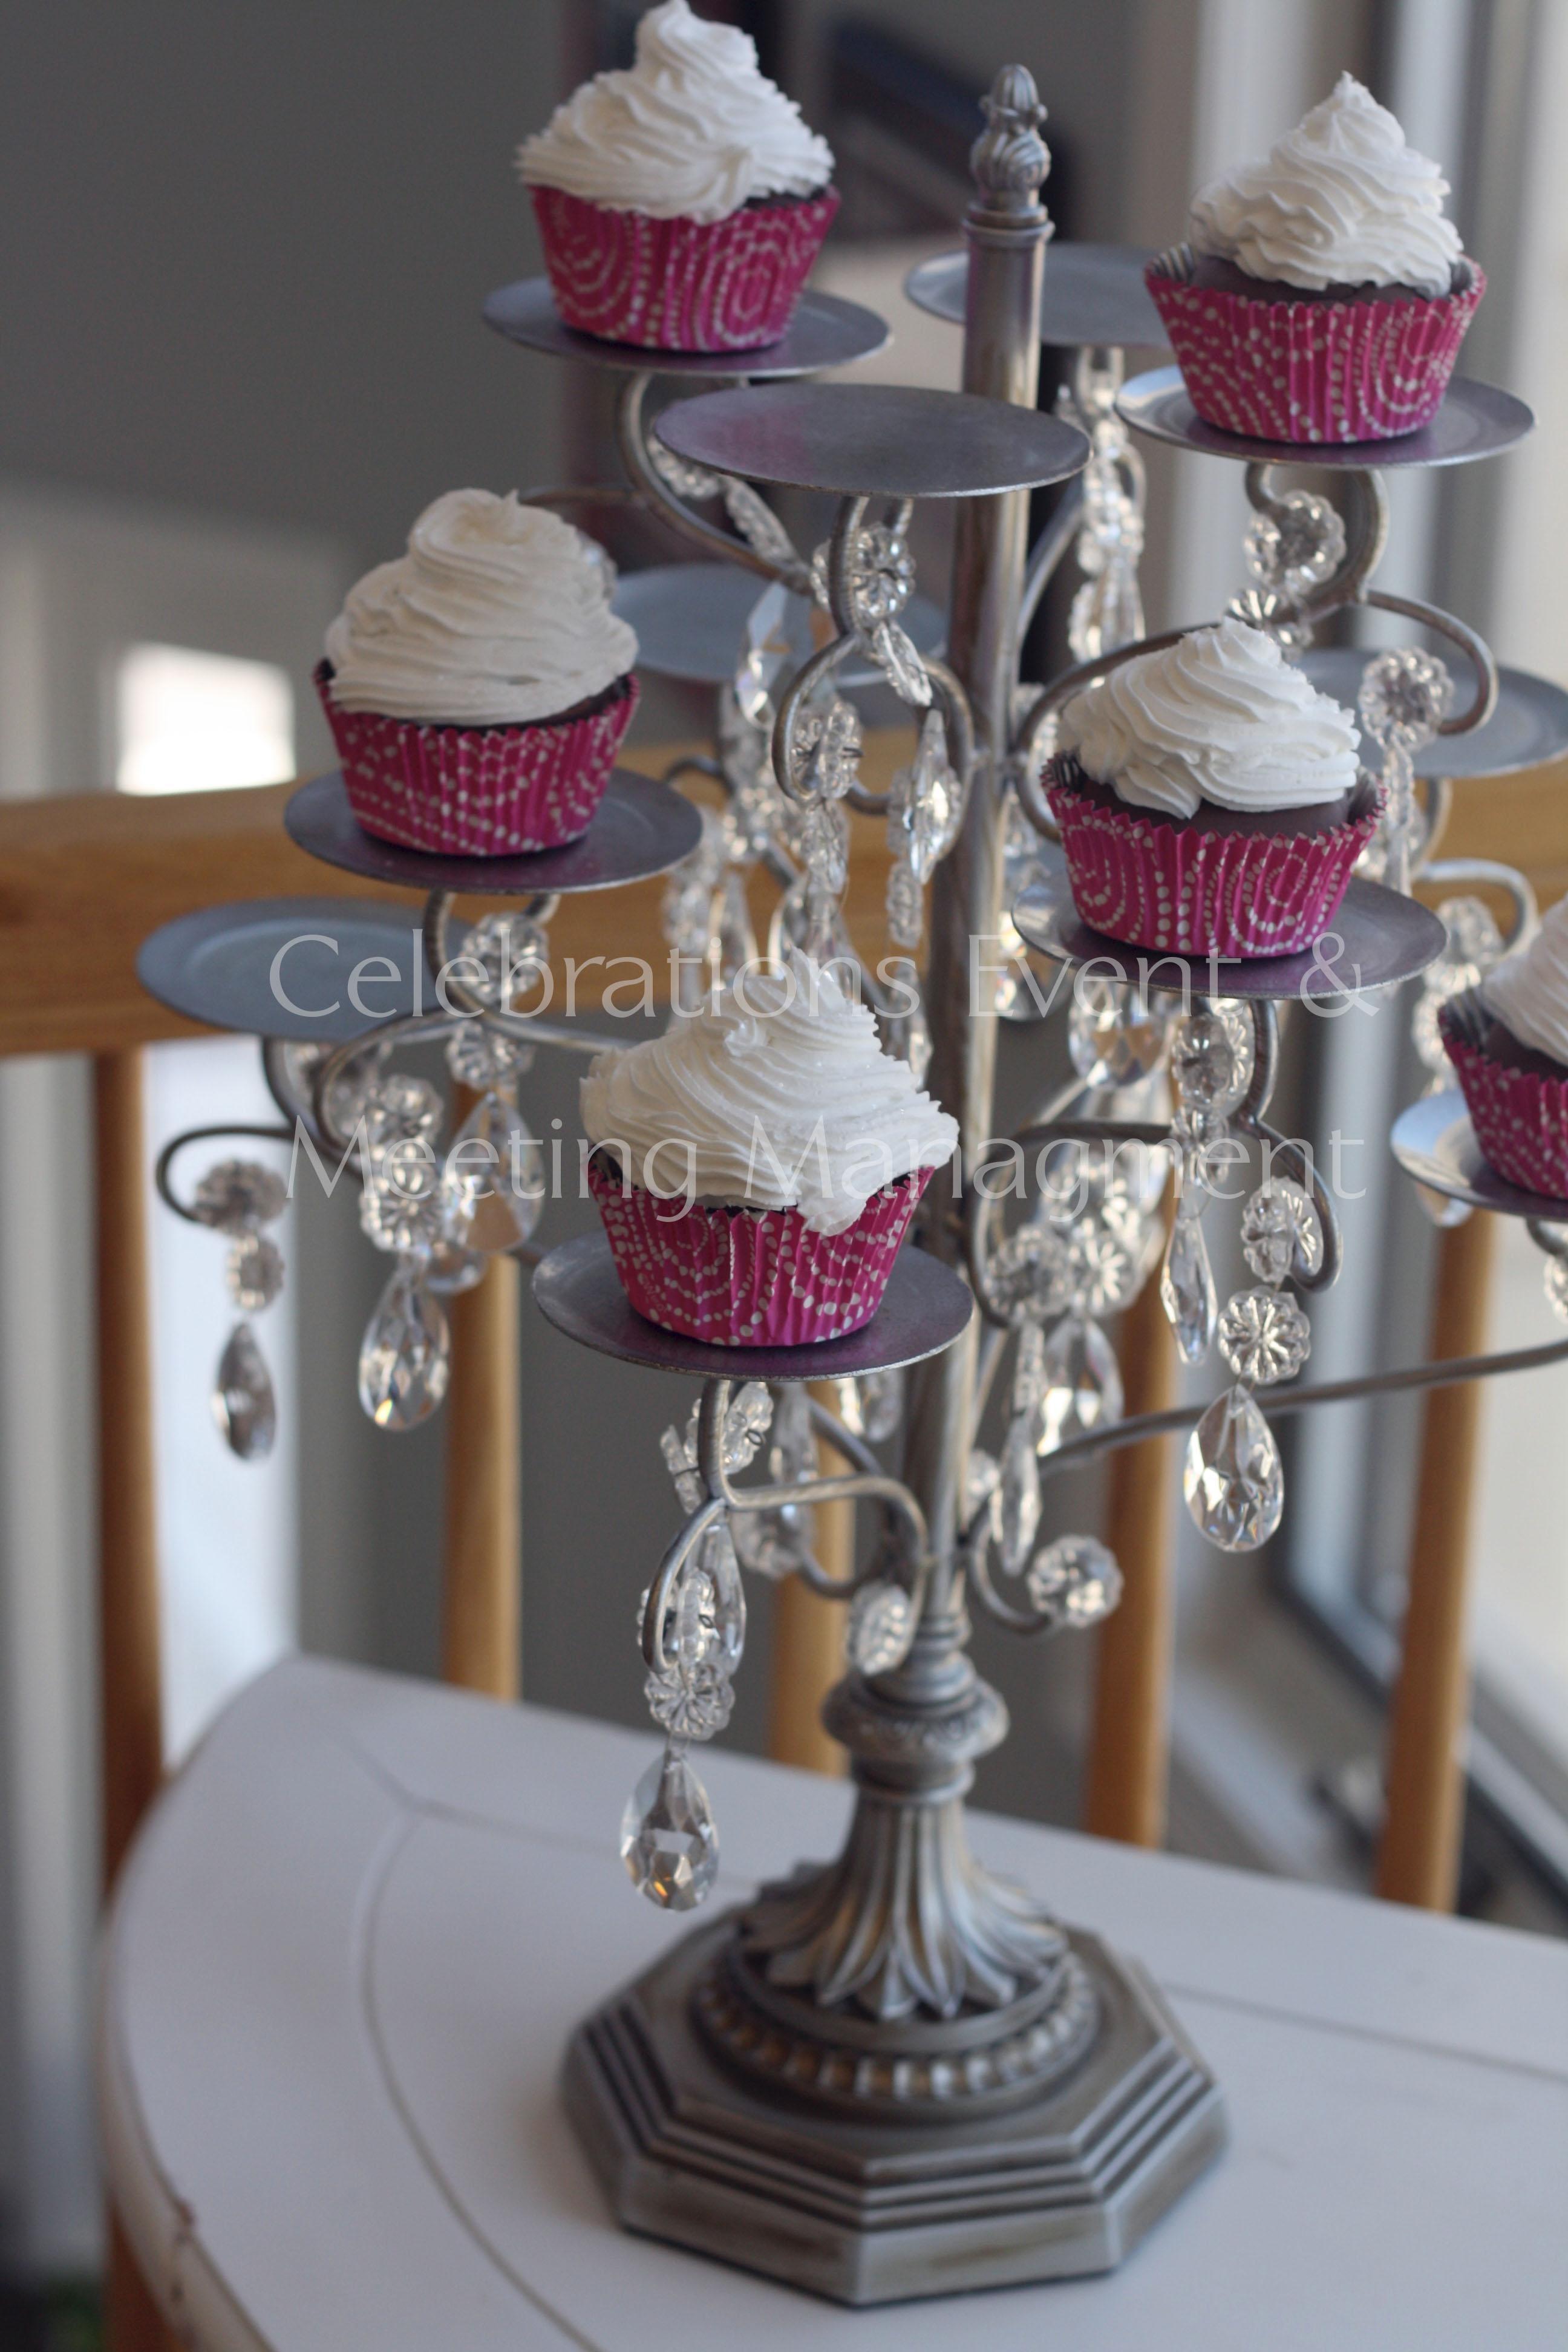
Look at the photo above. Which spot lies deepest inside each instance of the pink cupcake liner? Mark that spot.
(680, 285)
(1150, 884)
(478, 791)
(740, 1277)
(1520, 1117)
(1311, 370)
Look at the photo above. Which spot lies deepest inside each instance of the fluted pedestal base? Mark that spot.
(692, 2149)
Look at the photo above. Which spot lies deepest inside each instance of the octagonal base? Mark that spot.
(866, 2212)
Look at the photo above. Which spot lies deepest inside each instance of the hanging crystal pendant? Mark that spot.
(880, 1628)
(1187, 1286)
(494, 1178)
(1083, 1384)
(244, 1405)
(777, 643)
(404, 1361)
(1113, 1036)
(669, 1843)
(1554, 1282)
(1232, 1478)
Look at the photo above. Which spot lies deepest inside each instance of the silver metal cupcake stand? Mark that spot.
(893, 2074)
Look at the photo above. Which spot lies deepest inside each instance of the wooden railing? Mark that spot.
(82, 882)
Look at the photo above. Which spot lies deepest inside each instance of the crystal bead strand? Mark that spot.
(1210, 1066)
(238, 1197)
(1405, 697)
(495, 1169)
(1233, 1480)
(404, 1209)
(669, 1841)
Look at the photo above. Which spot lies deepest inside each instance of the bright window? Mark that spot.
(200, 722)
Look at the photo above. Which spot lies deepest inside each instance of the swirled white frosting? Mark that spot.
(776, 1095)
(693, 128)
(1528, 992)
(1220, 715)
(1339, 201)
(498, 613)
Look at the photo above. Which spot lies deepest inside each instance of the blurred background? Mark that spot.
(244, 256)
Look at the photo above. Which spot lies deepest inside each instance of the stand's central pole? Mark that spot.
(1007, 228)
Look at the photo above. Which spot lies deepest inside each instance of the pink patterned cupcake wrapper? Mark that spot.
(740, 1277)
(1520, 1117)
(477, 792)
(1311, 370)
(680, 285)
(1169, 886)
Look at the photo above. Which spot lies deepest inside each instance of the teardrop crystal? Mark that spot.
(1083, 1384)
(494, 1178)
(243, 1403)
(405, 1360)
(669, 1843)
(1232, 1478)
(1187, 1290)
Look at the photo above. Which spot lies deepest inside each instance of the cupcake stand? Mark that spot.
(893, 2074)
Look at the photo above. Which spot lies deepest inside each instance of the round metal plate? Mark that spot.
(923, 1310)
(825, 331)
(1093, 294)
(642, 828)
(879, 440)
(1529, 727)
(1435, 1142)
(690, 620)
(1381, 937)
(284, 967)
(1476, 420)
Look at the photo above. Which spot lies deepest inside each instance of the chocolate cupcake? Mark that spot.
(1209, 799)
(757, 1167)
(1507, 1041)
(478, 688)
(1323, 294)
(683, 202)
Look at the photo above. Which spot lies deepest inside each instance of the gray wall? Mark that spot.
(246, 247)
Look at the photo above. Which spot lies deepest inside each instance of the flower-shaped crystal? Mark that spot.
(1297, 546)
(1281, 1232)
(1028, 1275)
(881, 575)
(1264, 1336)
(824, 751)
(1406, 695)
(691, 1704)
(1074, 1580)
(238, 1195)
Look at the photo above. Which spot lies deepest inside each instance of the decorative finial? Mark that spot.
(1010, 160)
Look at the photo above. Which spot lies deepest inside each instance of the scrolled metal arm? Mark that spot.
(654, 492)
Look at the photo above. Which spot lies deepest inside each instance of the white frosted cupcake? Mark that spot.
(1507, 1041)
(1209, 799)
(683, 202)
(478, 688)
(1321, 294)
(758, 1165)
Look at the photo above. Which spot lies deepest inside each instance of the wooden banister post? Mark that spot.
(482, 1589)
(130, 1672)
(809, 1633)
(1418, 1861)
(1128, 1769)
